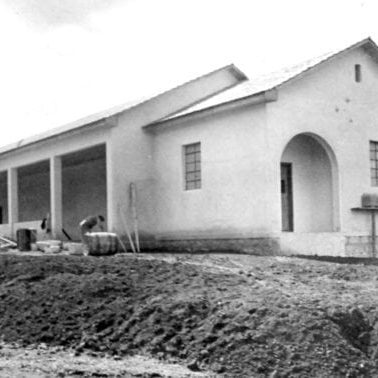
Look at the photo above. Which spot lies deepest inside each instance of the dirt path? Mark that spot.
(47, 362)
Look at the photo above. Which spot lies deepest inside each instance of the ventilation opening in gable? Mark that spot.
(357, 73)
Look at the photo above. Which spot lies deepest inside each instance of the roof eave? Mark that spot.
(24, 144)
(255, 99)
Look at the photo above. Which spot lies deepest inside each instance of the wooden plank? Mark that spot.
(121, 243)
(135, 214)
(7, 241)
(125, 225)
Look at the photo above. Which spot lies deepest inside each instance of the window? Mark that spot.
(357, 73)
(374, 163)
(192, 166)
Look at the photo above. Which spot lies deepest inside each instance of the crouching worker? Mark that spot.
(87, 225)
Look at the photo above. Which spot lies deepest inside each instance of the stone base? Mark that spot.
(359, 246)
(334, 244)
(254, 246)
(312, 243)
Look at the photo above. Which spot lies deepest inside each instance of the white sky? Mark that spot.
(65, 59)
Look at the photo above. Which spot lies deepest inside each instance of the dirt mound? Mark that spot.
(271, 317)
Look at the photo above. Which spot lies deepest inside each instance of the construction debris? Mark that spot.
(133, 201)
(7, 243)
(126, 226)
(77, 249)
(49, 246)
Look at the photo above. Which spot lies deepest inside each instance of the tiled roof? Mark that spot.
(270, 81)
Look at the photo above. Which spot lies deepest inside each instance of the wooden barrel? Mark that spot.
(102, 243)
(23, 239)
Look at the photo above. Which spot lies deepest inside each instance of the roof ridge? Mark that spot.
(271, 80)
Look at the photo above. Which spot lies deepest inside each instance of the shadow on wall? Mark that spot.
(83, 187)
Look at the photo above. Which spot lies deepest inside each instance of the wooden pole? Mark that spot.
(135, 215)
(121, 243)
(127, 230)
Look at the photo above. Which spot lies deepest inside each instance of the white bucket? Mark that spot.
(75, 248)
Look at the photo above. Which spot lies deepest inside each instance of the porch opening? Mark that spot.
(309, 188)
(33, 191)
(83, 187)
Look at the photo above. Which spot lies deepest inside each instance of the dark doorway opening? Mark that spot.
(287, 197)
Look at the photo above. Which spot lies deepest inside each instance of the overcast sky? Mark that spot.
(65, 59)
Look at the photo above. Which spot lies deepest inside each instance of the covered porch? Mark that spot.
(66, 187)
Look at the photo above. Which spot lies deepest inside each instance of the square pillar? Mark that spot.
(12, 199)
(110, 208)
(56, 196)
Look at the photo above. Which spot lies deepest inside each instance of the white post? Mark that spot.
(109, 188)
(56, 196)
(12, 199)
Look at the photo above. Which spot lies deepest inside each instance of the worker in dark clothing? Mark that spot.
(88, 224)
(46, 225)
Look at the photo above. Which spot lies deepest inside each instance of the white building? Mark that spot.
(267, 165)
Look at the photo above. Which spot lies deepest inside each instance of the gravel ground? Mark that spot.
(232, 315)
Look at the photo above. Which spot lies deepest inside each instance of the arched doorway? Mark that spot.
(309, 185)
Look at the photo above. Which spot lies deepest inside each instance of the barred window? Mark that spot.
(374, 163)
(192, 166)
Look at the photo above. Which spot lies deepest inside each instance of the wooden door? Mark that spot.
(287, 197)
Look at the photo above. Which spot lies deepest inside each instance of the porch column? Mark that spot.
(109, 187)
(12, 199)
(56, 196)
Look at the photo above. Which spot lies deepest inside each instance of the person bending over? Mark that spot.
(87, 225)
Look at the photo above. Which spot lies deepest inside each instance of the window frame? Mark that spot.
(373, 157)
(192, 166)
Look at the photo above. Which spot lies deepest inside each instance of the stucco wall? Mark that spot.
(229, 202)
(329, 103)
(130, 152)
(242, 151)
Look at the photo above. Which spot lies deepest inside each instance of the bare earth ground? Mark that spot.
(205, 315)
(45, 362)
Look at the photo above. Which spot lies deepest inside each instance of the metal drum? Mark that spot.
(24, 236)
(102, 243)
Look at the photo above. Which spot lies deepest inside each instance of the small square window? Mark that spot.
(192, 166)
